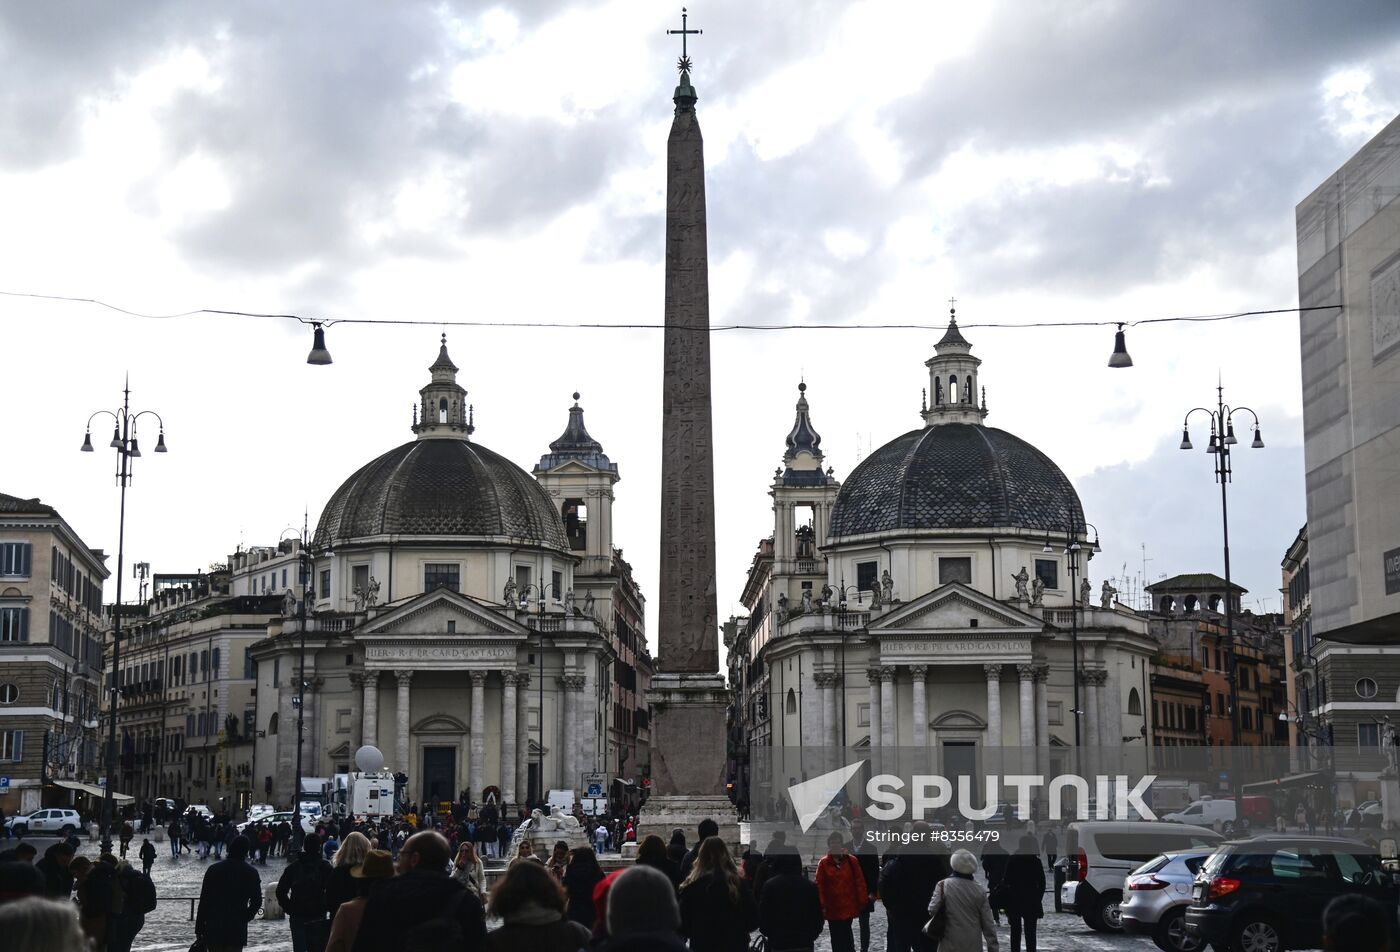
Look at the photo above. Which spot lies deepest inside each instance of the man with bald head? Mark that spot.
(422, 908)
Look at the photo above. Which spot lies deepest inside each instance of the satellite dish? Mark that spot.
(369, 759)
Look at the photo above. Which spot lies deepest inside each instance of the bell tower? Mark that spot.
(952, 395)
(442, 411)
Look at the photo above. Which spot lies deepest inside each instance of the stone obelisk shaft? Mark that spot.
(688, 614)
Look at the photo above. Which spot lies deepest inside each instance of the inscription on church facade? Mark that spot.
(439, 653)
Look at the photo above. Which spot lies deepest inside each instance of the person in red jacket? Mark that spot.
(842, 890)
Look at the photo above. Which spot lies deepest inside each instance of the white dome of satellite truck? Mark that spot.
(369, 759)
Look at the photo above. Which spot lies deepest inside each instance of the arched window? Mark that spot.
(1190, 603)
(952, 388)
(272, 725)
(9, 693)
(791, 701)
(1214, 603)
(1134, 703)
(1167, 604)
(442, 410)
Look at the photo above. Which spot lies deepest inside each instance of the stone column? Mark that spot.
(1042, 717)
(889, 728)
(831, 730)
(1025, 674)
(357, 720)
(478, 743)
(873, 676)
(401, 752)
(370, 732)
(571, 685)
(522, 736)
(920, 675)
(993, 675)
(1090, 703)
(508, 751)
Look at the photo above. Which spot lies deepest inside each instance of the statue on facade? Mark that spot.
(569, 603)
(359, 595)
(828, 602)
(1037, 590)
(1086, 594)
(1021, 578)
(508, 594)
(1106, 594)
(806, 601)
(588, 603)
(782, 607)
(289, 604)
(887, 586)
(874, 594)
(372, 593)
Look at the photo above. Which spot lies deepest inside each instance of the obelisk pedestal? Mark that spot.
(688, 700)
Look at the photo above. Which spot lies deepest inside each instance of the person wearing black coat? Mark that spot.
(580, 876)
(711, 920)
(58, 881)
(1022, 888)
(229, 899)
(422, 907)
(868, 856)
(789, 908)
(301, 892)
(906, 886)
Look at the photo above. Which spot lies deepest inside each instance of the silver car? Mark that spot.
(1157, 894)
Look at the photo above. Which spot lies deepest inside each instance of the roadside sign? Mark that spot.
(595, 786)
(592, 806)
(4, 784)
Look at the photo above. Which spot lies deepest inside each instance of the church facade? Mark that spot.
(461, 615)
(937, 600)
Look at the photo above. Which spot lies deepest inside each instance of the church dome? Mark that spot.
(442, 484)
(441, 487)
(954, 476)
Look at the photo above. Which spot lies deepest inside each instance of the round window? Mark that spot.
(1366, 688)
(9, 694)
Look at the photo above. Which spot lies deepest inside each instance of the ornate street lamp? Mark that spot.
(124, 442)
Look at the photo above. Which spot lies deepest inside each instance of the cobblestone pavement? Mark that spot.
(171, 927)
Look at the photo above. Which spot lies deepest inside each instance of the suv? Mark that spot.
(1158, 895)
(1267, 894)
(61, 822)
(1103, 852)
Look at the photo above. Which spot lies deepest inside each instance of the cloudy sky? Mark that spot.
(476, 162)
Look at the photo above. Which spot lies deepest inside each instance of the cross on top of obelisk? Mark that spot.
(683, 64)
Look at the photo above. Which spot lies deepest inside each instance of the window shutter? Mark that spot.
(19, 746)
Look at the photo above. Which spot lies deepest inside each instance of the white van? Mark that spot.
(1103, 852)
(1207, 812)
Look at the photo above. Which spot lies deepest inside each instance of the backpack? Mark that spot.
(306, 893)
(140, 893)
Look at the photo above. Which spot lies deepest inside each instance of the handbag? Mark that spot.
(938, 923)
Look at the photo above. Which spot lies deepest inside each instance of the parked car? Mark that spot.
(308, 823)
(260, 810)
(53, 822)
(1103, 852)
(1157, 896)
(1219, 813)
(1267, 893)
(200, 808)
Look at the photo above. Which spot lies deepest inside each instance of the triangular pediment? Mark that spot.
(953, 607)
(429, 614)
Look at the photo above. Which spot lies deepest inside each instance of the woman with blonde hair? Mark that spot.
(960, 917)
(35, 924)
(717, 908)
(469, 870)
(340, 886)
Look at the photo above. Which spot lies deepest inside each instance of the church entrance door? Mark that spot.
(960, 760)
(439, 774)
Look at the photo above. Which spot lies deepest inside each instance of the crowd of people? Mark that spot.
(417, 884)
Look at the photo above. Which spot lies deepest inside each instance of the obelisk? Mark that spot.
(687, 698)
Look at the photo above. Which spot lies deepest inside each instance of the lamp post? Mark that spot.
(305, 566)
(125, 443)
(841, 610)
(1074, 530)
(1222, 437)
(540, 592)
